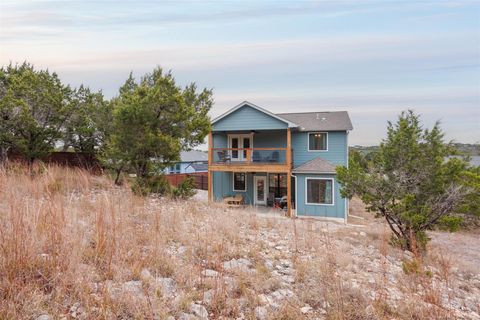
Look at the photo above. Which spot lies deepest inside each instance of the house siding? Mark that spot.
(329, 211)
(248, 118)
(223, 186)
(269, 132)
(336, 154)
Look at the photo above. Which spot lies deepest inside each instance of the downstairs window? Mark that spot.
(319, 191)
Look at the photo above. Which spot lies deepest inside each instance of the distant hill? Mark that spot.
(465, 148)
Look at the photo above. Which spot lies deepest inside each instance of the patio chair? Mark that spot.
(256, 156)
(223, 156)
(271, 199)
(275, 156)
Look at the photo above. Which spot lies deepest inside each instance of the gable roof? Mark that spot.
(317, 165)
(193, 156)
(320, 121)
(249, 104)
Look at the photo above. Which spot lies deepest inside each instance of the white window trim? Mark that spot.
(233, 182)
(308, 142)
(319, 204)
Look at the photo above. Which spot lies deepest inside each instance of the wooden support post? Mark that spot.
(289, 194)
(289, 149)
(289, 172)
(210, 161)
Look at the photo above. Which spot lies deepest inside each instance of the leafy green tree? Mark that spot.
(410, 182)
(90, 123)
(153, 120)
(34, 107)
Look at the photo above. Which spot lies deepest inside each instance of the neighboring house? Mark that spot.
(266, 157)
(190, 162)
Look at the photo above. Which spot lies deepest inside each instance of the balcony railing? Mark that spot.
(232, 156)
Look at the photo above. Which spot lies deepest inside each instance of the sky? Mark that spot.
(371, 58)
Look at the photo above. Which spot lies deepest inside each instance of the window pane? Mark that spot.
(246, 145)
(239, 181)
(317, 141)
(235, 146)
(319, 191)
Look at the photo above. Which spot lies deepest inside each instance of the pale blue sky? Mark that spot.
(371, 58)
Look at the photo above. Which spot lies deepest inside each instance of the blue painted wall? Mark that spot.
(248, 118)
(335, 211)
(223, 186)
(337, 148)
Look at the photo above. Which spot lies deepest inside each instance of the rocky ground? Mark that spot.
(126, 257)
(315, 270)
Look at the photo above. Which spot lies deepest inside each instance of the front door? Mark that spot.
(260, 190)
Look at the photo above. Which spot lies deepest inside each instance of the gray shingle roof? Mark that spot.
(317, 165)
(321, 121)
(193, 155)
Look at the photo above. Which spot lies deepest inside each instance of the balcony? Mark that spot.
(250, 159)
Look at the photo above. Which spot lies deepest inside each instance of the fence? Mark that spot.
(201, 179)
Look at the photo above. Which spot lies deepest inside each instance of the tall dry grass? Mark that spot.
(70, 243)
(68, 238)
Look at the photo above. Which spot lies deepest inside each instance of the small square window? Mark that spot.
(239, 181)
(317, 141)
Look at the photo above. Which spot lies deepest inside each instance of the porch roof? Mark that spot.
(317, 165)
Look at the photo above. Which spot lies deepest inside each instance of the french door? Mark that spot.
(239, 141)
(259, 190)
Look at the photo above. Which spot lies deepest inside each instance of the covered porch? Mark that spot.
(265, 191)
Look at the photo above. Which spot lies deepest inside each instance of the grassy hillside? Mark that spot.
(74, 246)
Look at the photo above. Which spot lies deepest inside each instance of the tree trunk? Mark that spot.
(117, 177)
(31, 160)
(4, 155)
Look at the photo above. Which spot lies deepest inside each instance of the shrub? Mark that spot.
(185, 189)
(152, 184)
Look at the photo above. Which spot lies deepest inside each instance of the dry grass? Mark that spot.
(72, 243)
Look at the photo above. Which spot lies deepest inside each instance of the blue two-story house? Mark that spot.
(286, 159)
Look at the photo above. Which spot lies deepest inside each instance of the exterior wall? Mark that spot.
(248, 118)
(337, 148)
(223, 186)
(219, 140)
(185, 167)
(329, 211)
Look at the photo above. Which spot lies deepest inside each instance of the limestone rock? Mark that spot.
(209, 273)
(199, 311)
(261, 313)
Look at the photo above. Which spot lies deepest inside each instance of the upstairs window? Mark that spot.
(318, 141)
(239, 181)
(319, 191)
